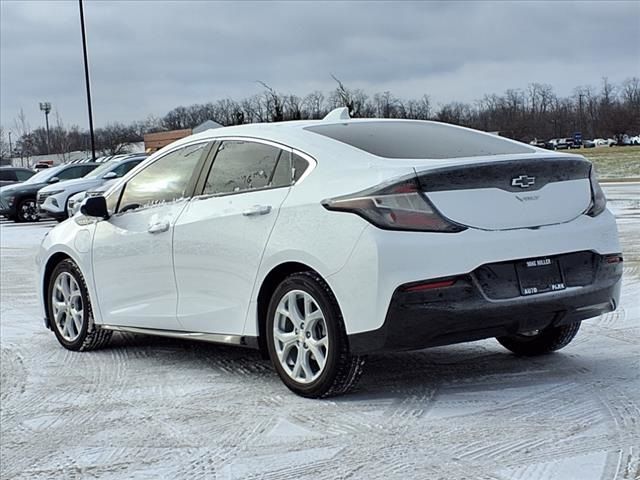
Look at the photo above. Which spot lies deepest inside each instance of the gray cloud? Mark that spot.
(147, 57)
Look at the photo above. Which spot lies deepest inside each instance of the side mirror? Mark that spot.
(109, 175)
(95, 207)
(53, 180)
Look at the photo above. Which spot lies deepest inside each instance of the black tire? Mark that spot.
(342, 369)
(90, 336)
(546, 341)
(27, 211)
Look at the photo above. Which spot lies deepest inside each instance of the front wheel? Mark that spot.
(539, 342)
(69, 309)
(307, 340)
(27, 211)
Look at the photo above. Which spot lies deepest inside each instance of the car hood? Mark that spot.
(21, 188)
(77, 184)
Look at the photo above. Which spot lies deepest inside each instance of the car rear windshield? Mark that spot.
(407, 139)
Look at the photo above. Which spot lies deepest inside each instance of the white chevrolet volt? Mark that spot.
(319, 242)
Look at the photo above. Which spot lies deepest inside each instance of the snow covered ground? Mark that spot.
(155, 408)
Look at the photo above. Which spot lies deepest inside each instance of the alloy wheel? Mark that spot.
(300, 336)
(68, 309)
(28, 211)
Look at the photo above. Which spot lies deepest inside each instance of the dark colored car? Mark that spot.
(10, 175)
(18, 202)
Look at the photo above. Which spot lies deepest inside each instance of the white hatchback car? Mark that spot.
(319, 242)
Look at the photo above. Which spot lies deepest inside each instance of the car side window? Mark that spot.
(8, 175)
(300, 166)
(282, 174)
(165, 180)
(243, 165)
(84, 169)
(23, 175)
(69, 173)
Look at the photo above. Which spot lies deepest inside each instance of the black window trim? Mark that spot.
(311, 164)
(195, 176)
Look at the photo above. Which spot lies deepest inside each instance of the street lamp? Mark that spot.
(86, 79)
(46, 108)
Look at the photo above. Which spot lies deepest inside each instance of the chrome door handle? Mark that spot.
(257, 210)
(158, 227)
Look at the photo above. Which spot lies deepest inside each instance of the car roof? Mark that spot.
(84, 164)
(11, 167)
(299, 135)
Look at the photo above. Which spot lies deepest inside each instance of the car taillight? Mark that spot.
(432, 285)
(598, 200)
(399, 206)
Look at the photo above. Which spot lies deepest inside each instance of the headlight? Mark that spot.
(55, 192)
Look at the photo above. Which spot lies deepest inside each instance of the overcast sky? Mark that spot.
(147, 57)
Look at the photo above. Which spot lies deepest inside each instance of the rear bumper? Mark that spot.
(474, 309)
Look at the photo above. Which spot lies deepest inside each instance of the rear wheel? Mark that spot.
(70, 312)
(539, 342)
(27, 211)
(307, 340)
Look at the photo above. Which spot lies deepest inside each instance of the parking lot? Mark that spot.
(158, 408)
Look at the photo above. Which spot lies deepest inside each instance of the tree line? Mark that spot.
(536, 111)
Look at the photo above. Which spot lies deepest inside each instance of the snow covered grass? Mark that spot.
(615, 162)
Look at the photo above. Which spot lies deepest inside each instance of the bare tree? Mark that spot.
(5, 153)
(354, 100)
(314, 103)
(115, 138)
(274, 103)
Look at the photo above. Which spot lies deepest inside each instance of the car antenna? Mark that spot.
(341, 113)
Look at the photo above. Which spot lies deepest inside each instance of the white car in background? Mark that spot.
(53, 200)
(319, 242)
(75, 201)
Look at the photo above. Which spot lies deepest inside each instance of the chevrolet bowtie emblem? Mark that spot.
(523, 181)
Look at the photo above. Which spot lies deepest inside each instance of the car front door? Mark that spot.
(220, 237)
(132, 250)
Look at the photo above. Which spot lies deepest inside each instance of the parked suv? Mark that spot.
(18, 202)
(75, 201)
(10, 175)
(53, 200)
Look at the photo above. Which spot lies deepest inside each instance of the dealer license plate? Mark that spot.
(539, 275)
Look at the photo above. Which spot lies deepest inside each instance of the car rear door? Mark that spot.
(132, 250)
(220, 237)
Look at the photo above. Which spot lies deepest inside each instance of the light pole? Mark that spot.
(86, 78)
(46, 108)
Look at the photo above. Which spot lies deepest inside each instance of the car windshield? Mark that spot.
(44, 175)
(424, 140)
(101, 170)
